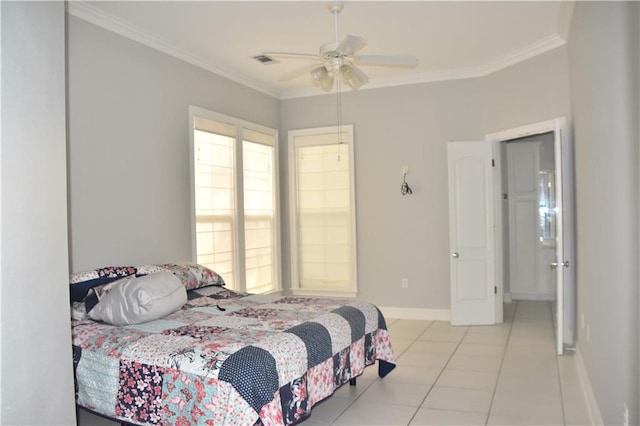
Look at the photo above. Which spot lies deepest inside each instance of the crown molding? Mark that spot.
(429, 77)
(89, 13)
(534, 49)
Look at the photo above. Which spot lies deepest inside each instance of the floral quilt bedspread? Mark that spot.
(228, 358)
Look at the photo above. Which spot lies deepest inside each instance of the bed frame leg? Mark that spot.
(352, 382)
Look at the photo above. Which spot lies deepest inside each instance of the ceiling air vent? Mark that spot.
(265, 59)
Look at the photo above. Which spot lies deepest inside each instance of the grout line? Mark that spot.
(439, 374)
(495, 386)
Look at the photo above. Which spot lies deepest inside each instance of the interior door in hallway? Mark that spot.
(471, 233)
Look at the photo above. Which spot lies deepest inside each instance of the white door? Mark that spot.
(565, 249)
(471, 233)
(523, 161)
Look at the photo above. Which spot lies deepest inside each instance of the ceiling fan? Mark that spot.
(339, 59)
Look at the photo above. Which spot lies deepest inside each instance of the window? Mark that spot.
(234, 200)
(323, 211)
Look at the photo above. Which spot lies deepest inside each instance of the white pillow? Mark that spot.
(134, 300)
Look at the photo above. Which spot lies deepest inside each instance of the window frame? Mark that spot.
(239, 252)
(347, 131)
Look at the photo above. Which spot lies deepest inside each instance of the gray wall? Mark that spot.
(129, 146)
(603, 59)
(398, 237)
(528, 92)
(37, 378)
(408, 237)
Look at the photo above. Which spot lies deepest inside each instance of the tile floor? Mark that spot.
(506, 374)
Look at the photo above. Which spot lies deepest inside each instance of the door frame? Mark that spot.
(559, 127)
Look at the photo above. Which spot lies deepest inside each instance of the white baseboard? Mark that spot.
(592, 405)
(416, 313)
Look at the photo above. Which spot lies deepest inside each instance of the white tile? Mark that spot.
(502, 328)
(487, 339)
(399, 345)
(531, 321)
(523, 420)
(353, 392)
(480, 349)
(475, 363)
(525, 351)
(370, 372)
(327, 411)
(437, 335)
(426, 360)
(538, 407)
(458, 399)
(535, 383)
(468, 379)
(536, 366)
(410, 329)
(432, 417)
(371, 413)
(387, 392)
(425, 346)
(532, 334)
(446, 325)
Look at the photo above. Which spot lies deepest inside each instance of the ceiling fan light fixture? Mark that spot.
(322, 77)
(318, 75)
(327, 83)
(352, 76)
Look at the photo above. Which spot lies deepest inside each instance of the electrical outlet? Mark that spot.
(625, 415)
(405, 283)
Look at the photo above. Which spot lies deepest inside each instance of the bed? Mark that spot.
(222, 357)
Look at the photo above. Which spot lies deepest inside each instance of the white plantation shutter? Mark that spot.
(235, 220)
(214, 203)
(259, 212)
(324, 213)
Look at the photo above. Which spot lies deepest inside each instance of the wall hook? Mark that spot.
(404, 188)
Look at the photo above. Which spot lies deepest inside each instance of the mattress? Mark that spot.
(228, 358)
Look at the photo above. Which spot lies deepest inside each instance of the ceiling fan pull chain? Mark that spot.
(339, 112)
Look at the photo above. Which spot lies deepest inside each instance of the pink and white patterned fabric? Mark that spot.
(228, 358)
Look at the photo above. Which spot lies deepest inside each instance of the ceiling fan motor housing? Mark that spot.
(328, 50)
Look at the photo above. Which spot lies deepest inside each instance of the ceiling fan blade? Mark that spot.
(388, 60)
(351, 44)
(292, 55)
(297, 73)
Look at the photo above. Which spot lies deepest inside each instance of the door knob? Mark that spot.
(554, 265)
(455, 255)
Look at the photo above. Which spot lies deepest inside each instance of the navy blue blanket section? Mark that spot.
(252, 371)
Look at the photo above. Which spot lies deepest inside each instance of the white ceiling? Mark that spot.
(452, 39)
